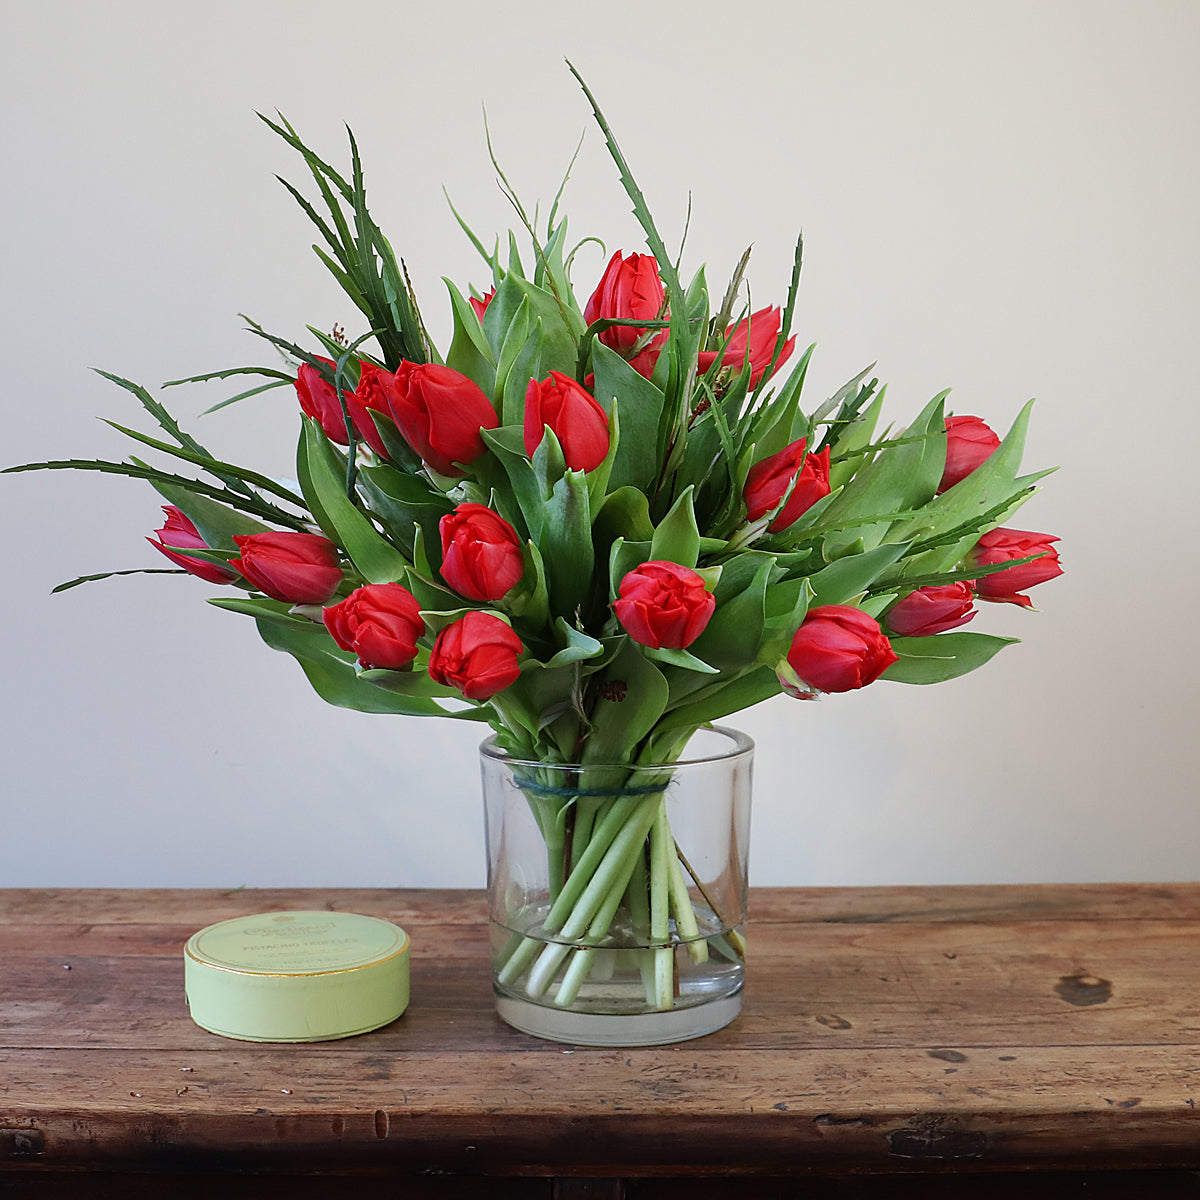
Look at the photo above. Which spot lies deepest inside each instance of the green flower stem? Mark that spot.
(585, 819)
(685, 913)
(639, 914)
(612, 873)
(662, 846)
(517, 959)
(551, 823)
(619, 811)
(582, 960)
(584, 872)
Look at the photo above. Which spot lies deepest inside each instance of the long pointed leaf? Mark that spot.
(63, 587)
(137, 470)
(213, 465)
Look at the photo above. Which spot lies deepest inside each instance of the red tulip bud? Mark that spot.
(477, 655)
(1001, 545)
(318, 399)
(576, 418)
(932, 609)
(299, 568)
(479, 303)
(969, 444)
(629, 290)
(757, 334)
(179, 531)
(370, 396)
(380, 623)
(664, 605)
(769, 479)
(440, 413)
(836, 649)
(481, 553)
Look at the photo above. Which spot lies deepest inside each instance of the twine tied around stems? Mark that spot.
(545, 789)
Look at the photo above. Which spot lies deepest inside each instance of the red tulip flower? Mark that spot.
(477, 655)
(440, 412)
(370, 396)
(755, 336)
(770, 478)
(180, 532)
(1001, 545)
(932, 609)
(298, 568)
(481, 552)
(629, 290)
(380, 622)
(837, 649)
(664, 605)
(479, 303)
(318, 399)
(969, 444)
(575, 416)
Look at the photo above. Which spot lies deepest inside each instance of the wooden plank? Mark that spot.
(591, 1112)
(889, 1030)
(934, 986)
(977, 904)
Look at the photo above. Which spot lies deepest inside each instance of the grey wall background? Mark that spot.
(997, 197)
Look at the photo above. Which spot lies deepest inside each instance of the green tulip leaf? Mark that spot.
(731, 639)
(279, 611)
(724, 698)
(376, 558)
(684, 659)
(943, 656)
(628, 709)
(469, 352)
(400, 502)
(508, 444)
(335, 680)
(623, 558)
(639, 405)
(403, 456)
(852, 575)
(677, 538)
(906, 477)
(579, 646)
(951, 523)
(566, 544)
(624, 513)
(411, 683)
(529, 600)
(502, 310)
(527, 364)
(851, 438)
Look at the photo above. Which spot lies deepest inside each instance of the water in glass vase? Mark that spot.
(618, 894)
(606, 994)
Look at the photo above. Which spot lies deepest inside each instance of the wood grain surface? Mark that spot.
(890, 1032)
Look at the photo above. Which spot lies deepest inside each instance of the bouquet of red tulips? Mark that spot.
(598, 526)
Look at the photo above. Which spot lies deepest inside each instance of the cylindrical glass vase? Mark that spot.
(617, 892)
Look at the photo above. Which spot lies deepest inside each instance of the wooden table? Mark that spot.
(914, 1042)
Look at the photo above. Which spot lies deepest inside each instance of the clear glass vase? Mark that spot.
(617, 892)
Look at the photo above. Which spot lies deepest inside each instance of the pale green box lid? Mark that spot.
(296, 976)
